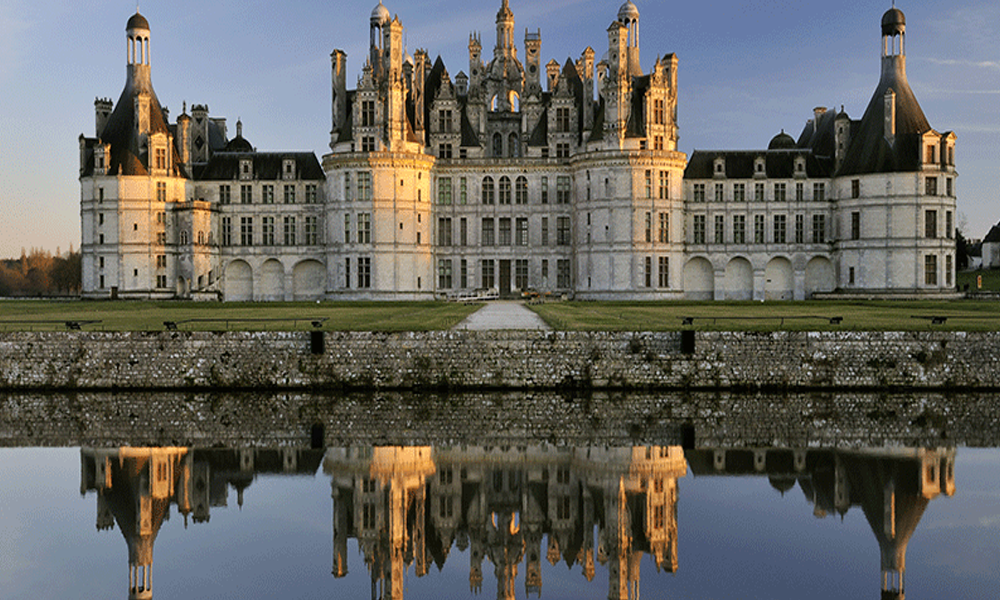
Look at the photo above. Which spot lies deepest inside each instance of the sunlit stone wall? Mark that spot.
(499, 360)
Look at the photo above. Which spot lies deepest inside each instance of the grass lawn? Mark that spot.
(963, 315)
(991, 280)
(295, 316)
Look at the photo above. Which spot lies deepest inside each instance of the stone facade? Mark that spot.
(500, 180)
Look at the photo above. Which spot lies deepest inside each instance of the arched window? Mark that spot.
(488, 191)
(184, 238)
(497, 145)
(514, 146)
(515, 101)
(495, 104)
(521, 190)
(505, 190)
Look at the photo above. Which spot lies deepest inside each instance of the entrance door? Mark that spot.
(505, 279)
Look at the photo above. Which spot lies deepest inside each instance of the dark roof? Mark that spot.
(238, 144)
(869, 150)
(893, 22)
(636, 126)
(819, 135)
(778, 164)
(137, 22)
(782, 141)
(225, 166)
(993, 236)
(470, 139)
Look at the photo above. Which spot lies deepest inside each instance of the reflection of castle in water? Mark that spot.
(512, 506)
(136, 486)
(409, 506)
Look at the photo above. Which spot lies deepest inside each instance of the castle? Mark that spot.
(511, 179)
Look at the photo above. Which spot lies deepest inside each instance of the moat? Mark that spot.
(515, 495)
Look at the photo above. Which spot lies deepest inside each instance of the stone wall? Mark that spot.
(469, 360)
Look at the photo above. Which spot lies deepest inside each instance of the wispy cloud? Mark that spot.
(951, 62)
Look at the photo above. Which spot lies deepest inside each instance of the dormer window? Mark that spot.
(759, 167)
(719, 167)
(246, 169)
(288, 169)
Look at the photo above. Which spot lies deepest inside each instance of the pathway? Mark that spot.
(503, 315)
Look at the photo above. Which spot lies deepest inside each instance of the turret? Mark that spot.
(505, 32)
(102, 112)
(338, 64)
(184, 136)
(533, 58)
(628, 15)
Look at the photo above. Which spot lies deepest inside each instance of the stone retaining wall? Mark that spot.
(499, 360)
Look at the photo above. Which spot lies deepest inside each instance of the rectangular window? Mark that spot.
(348, 188)
(246, 194)
(949, 186)
(444, 231)
(664, 228)
(364, 273)
(545, 271)
(930, 269)
(312, 231)
(562, 190)
(545, 231)
(563, 276)
(545, 190)
(800, 229)
(699, 229)
(800, 192)
(819, 192)
(563, 233)
(444, 274)
(521, 274)
(720, 192)
(780, 192)
(161, 158)
(289, 194)
(505, 237)
(649, 184)
(246, 231)
(720, 229)
(930, 224)
(658, 142)
(161, 281)
(521, 191)
(522, 231)
(739, 192)
(648, 228)
(444, 123)
(665, 185)
(225, 194)
(267, 231)
(364, 186)
(758, 229)
(699, 192)
(312, 195)
(855, 188)
(931, 186)
(780, 233)
(562, 120)
(949, 226)
(347, 228)
(227, 231)
(463, 232)
(648, 272)
(290, 232)
(562, 150)
(347, 273)
(739, 229)
(659, 112)
(487, 269)
(267, 194)
(819, 229)
(161, 192)
(463, 191)
(850, 276)
(487, 237)
(367, 113)
(856, 225)
(445, 151)
(365, 228)
(463, 274)
(161, 261)
(948, 266)
(664, 272)
(758, 192)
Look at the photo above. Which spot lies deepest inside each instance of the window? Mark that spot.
(648, 272)
(819, 229)
(739, 229)
(267, 194)
(312, 195)
(545, 190)
(444, 231)
(664, 228)
(562, 190)
(800, 192)
(312, 231)
(664, 272)
(780, 234)
(819, 192)
(699, 192)
(246, 169)
(563, 278)
(444, 122)
(930, 269)
(758, 192)
(562, 120)
(368, 144)
(665, 185)
(720, 229)
(850, 276)
(504, 190)
(521, 274)
(289, 169)
(856, 225)
(521, 190)
(365, 228)
(289, 223)
(161, 192)
(758, 229)
(545, 271)
(649, 184)
(463, 274)
(562, 150)
(100, 219)
(545, 231)
(445, 151)
(949, 228)
(289, 194)
(659, 112)
(161, 158)
(267, 231)
(931, 186)
(444, 190)
(930, 158)
(444, 273)
(505, 238)
(489, 191)
(648, 228)
(563, 231)
(855, 188)
(347, 273)
(463, 232)
(246, 231)
(364, 186)
(522, 231)
(367, 113)
(364, 273)
(161, 281)
(739, 192)
(246, 194)
(720, 192)
(947, 270)
(657, 142)
(800, 229)
(488, 233)
(699, 229)
(347, 228)
(780, 192)
(347, 187)
(487, 270)
(463, 191)
(227, 231)
(949, 186)
(161, 261)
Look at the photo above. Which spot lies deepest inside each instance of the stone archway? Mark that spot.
(309, 280)
(238, 282)
(820, 276)
(699, 279)
(779, 280)
(739, 280)
(272, 281)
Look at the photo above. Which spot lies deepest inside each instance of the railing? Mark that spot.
(781, 320)
(72, 325)
(317, 323)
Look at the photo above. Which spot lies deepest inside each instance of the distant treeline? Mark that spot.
(39, 273)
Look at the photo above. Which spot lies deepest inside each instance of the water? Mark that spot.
(513, 516)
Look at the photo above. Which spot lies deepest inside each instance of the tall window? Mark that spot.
(312, 196)
(699, 192)
(780, 233)
(225, 194)
(648, 272)
(562, 190)
(720, 192)
(289, 194)
(545, 190)
(368, 143)
(289, 224)
(819, 229)
(227, 231)
(949, 227)
(364, 273)
(819, 192)
(931, 186)
(444, 273)
(348, 189)
(505, 238)
(855, 188)
(444, 231)
(312, 231)
(930, 224)
(739, 192)
(758, 192)
(930, 269)
(649, 184)
(444, 122)
(347, 228)
(463, 232)
(463, 191)
(856, 225)
(161, 158)
(800, 192)
(487, 270)
(664, 272)
(659, 112)
(489, 191)
(444, 190)
(648, 227)
(664, 236)
(739, 229)
(267, 231)
(562, 120)
(665, 185)
(521, 190)
(563, 234)
(563, 276)
(780, 192)
(488, 232)
(720, 229)
(504, 190)
(365, 228)
(545, 231)
(364, 186)
(367, 113)
(699, 229)
(758, 229)
(522, 231)
(521, 274)
(246, 231)
(463, 274)
(161, 191)
(267, 194)
(800, 229)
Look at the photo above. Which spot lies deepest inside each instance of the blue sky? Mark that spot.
(747, 70)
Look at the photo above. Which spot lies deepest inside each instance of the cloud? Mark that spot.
(951, 62)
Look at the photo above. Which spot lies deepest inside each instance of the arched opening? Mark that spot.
(308, 280)
(739, 280)
(272, 281)
(514, 146)
(699, 280)
(820, 276)
(495, 104)
(515, 101)
(497, 145)
(779, 280)
(238, 282)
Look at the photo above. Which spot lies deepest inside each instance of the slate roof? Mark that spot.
(267, 166)
(778, 164)
(993, 236)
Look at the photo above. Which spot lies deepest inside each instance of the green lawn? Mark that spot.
(963, 315)
(991, 280)
(294, 316)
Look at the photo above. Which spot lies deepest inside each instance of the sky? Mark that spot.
(748, 70)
